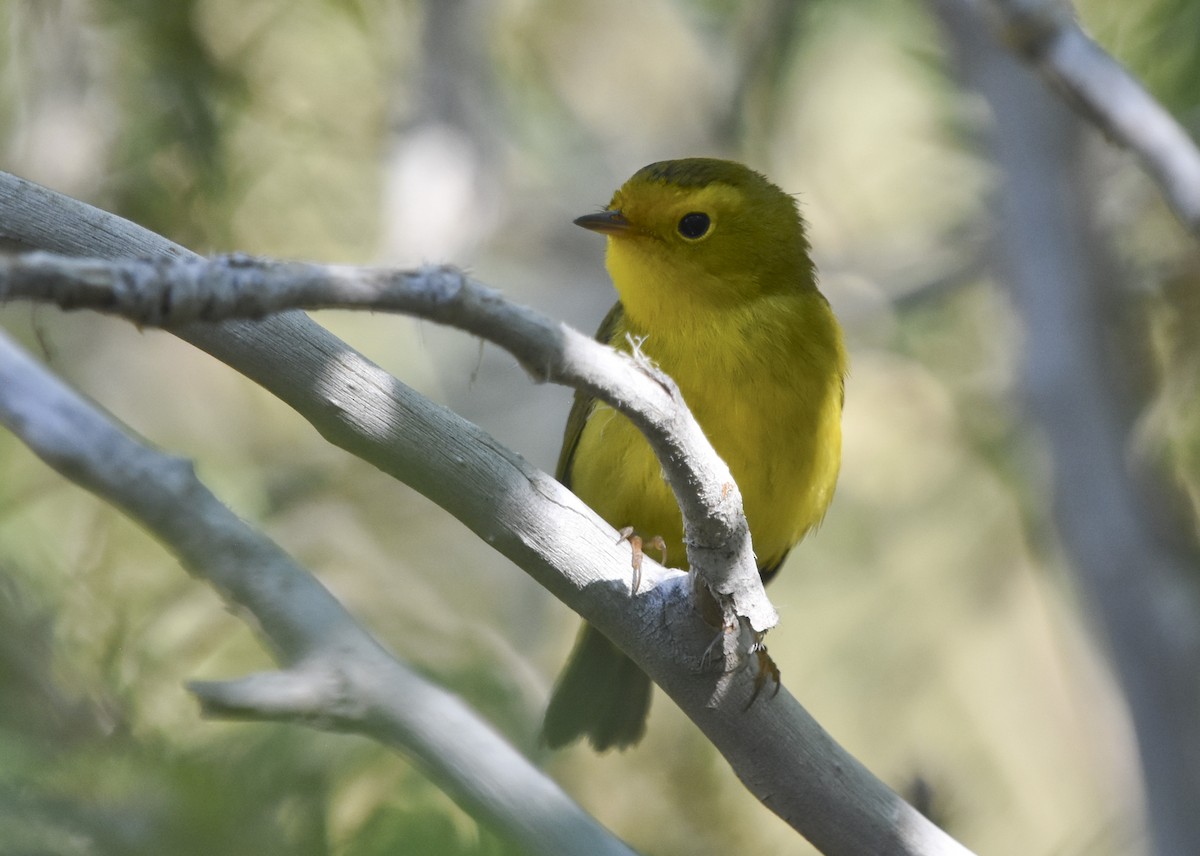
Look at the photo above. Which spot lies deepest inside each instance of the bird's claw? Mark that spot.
(635, 543)
(765, 670)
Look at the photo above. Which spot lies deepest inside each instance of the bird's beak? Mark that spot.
(606, 222)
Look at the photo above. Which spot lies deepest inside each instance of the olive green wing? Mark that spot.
(584, 404)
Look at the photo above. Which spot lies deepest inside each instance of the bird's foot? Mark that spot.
(636, 543)
(765, 670)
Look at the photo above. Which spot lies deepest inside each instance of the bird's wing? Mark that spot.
(582, 406)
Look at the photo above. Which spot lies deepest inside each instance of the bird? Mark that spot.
(715, 283)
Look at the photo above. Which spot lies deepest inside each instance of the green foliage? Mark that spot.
(1157, 41)
(179, 105)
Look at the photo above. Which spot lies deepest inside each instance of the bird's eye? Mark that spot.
(694, 226)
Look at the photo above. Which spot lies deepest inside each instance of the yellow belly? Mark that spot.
(779, 431)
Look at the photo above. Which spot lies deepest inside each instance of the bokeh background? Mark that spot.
(932, 625)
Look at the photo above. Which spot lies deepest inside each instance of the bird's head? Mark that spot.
(703, 232)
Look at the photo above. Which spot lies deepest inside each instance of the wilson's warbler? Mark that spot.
(711, 265)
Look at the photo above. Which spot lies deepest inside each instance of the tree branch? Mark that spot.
(785, 758)
(338, 675)
(1046, 34)
(1138, 583)
(173, 292)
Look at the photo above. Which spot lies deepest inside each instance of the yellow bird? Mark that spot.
(712, 269)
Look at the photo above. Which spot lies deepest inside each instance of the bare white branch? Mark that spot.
(1046, 34)
(339, 676)
(171, 292)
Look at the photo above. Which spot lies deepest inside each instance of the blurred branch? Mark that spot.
(171, 292)
(338, 675)
(1045, 34)
(780, 752)
(764, 48)
(1136, 578)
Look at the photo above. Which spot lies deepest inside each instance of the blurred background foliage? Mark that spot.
(930, 625)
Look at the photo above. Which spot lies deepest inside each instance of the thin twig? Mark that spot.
(1046, 34)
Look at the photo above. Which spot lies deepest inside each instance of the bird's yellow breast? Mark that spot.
(763, 377)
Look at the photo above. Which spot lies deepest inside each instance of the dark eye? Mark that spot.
(694, 225)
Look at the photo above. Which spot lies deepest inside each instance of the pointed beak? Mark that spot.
(606, 222)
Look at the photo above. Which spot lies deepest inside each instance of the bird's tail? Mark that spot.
(601, 694)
